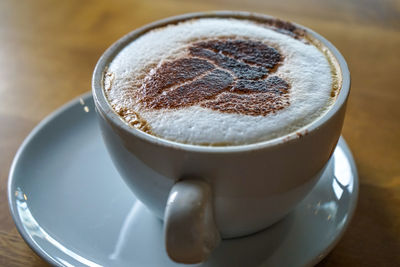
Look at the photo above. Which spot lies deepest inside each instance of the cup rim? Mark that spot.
(109, 114)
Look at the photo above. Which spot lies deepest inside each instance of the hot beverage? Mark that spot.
(222, 81)
(214, 118)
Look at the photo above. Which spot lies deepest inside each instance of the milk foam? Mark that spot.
(305, 67)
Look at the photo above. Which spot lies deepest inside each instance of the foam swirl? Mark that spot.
(225, 75)
(221, 81)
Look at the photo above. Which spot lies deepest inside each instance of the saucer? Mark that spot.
(72, 208)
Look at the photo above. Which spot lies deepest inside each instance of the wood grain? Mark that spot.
(48, 50)
(16, 253)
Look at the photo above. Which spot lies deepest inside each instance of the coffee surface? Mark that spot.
(218, 81)
(232, 76)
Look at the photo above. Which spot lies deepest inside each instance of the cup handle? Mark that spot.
(189, 227)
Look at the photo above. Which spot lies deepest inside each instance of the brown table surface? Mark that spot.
(48, 50)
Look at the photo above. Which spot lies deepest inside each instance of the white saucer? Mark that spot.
(71, 207)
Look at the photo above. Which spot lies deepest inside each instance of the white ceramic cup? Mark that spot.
(204, 192)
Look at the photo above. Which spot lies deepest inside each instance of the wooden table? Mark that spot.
(48, 50)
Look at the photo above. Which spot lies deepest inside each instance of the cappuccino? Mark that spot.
(222, 81)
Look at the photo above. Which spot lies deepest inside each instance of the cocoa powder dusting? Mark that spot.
(231, 76)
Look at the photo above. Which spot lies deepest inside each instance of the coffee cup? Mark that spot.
(205, 193)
